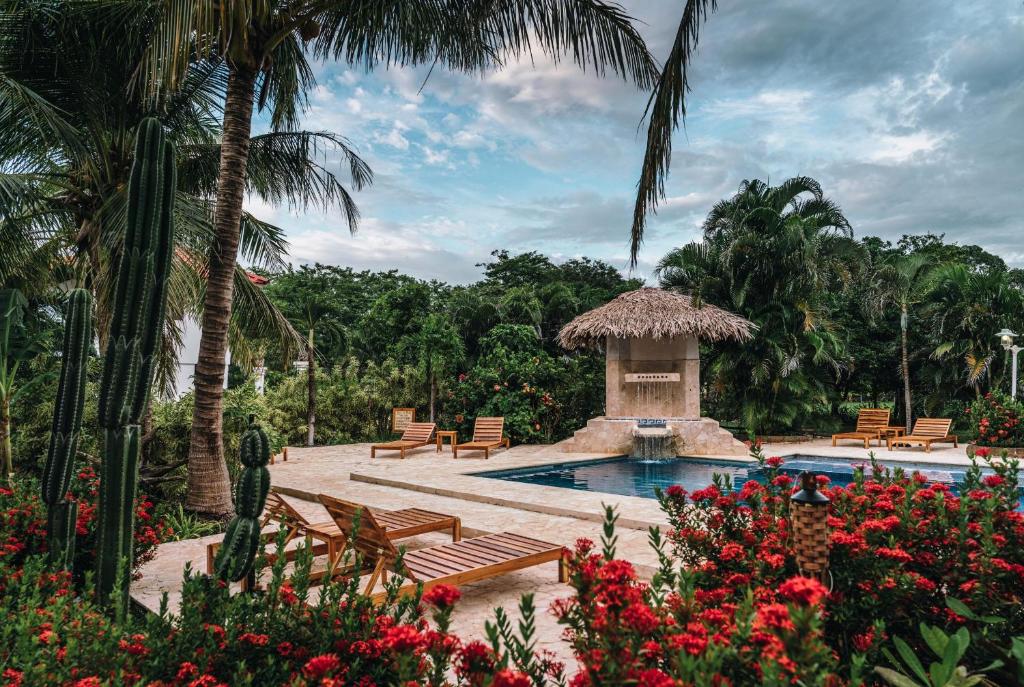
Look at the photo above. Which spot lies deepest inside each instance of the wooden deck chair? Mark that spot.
(870, 423)
(398, 524)
(927, 431)
(416, 434)
(488, 433)
(461, 562)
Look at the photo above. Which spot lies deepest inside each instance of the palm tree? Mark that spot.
(966, 307)
(666, 109)
(264, 45)
(437, 348)
(66, 153)
(902, 282)
(771, 254)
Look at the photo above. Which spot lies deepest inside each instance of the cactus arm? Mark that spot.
(242, 539)
(70, 402)
(136, 326)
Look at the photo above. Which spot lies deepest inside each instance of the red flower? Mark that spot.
(510, 678)
(654, 678)
(402, 638)
(443, 596)
(775, 616)
(803, 591)
(322, 665)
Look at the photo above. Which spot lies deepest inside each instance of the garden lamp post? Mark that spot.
(1006, 339)
(808, 510)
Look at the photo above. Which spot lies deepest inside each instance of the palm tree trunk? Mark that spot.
(433, 395)
(311, 393)
(6, 450)
(905, 363)
(209, 486)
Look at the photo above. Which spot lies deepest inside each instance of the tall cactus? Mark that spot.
(67, 421)
(242, 539)
(135, 330)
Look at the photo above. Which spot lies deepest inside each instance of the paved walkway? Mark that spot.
(435, 481)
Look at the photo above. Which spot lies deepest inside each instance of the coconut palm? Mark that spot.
(65, 157)
(771, 254)
(265, 47)
(902, 282)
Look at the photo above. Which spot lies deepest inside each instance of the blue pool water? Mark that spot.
(635, 477)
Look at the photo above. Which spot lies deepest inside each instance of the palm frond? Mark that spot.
(665, 110)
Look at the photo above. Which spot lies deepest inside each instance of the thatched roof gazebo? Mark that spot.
(652, 368)
(650, 313)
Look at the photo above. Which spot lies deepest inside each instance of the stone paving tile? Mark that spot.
(430, 480)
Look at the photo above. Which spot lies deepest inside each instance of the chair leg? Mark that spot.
(833, 441)
(457, 530)
(955, 445)
(563, 570)
(487, 453)
(455, 452)
(373, 452)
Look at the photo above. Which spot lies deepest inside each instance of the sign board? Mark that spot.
(653, 377)
(400, 419)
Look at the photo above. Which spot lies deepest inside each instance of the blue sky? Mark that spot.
(910, 114)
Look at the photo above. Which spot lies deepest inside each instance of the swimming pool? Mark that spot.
(634, 477)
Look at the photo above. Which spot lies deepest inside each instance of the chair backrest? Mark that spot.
(418, 431)
(488, 429)
(371, 540)
(279, 510)
(932, 427)
(870, 419)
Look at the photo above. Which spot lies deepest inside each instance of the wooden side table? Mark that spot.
(888, 433)
(450, 434)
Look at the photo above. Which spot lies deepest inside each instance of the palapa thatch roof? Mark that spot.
(656, 314)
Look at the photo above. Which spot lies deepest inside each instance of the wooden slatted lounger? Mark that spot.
(927, 431)
(870, 423)
(488, 433)
(416, 435)
(457, 563)
(397, 524)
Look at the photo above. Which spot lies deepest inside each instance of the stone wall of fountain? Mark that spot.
(653, 378)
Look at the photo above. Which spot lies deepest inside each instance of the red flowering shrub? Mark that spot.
(669, 632)
(23, 523)
(997, 420)
(900, 547)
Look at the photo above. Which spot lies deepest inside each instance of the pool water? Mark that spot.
(635, 477)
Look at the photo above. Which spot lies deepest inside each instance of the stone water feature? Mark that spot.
(651, 338)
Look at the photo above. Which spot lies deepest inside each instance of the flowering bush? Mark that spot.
(24, 523)
(901, 547)
(285, 635)
(997, 420)
(670, 632)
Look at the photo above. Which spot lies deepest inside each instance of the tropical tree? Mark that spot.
(965, 309)
(771, 254)
(902, 282)
(264, 45)
(437, 348)
(18, 344)
(308, 302)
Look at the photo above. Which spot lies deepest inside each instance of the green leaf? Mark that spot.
(896, 679)
(910, 658)
(960, 608)
(936, 639)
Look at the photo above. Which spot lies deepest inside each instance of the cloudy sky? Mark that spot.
(910, 114)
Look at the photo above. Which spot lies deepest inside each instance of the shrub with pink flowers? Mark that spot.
(996, 418)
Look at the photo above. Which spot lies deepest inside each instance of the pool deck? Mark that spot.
(434, 481)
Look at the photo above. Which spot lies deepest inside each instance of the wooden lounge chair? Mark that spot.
(457, 563)
(397, 524)
(927, 431)
(870, 423)
(487, 434)
(416, 434)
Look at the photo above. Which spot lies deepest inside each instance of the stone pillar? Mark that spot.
(678, 397)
